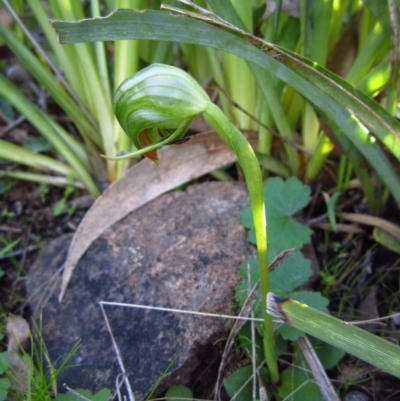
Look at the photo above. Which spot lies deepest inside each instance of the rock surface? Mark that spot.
(180, 251)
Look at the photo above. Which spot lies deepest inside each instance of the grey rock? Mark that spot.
(180, 251)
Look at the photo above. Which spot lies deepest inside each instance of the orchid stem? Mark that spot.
(251, 169)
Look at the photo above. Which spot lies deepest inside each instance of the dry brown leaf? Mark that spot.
(383, 224)
(144, 182)
(368, 310)
(344, 228)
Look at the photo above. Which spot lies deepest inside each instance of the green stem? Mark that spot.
(251, 169)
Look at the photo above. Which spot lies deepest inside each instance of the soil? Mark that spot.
(27, 216)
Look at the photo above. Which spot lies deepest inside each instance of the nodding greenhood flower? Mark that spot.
(157, 105)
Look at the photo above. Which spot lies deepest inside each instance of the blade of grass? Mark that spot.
(317, 161)
(40, 178)
(44, 77)
(65, 145)
(126, 63)
(42, 18)
(101, 56)
(20, 155)
(96, 98)
(240, 80)
(322, 19)
(337, 88)
(393, 89)
(266, 82)
(376, 46)
(358, 342)
(376, 79)
(314, 18)
(268, 87)
(328, 92)
(219, 78)
(125, 24)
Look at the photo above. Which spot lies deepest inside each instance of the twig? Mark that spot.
(75, 393)
(317, 369)
(19, 252)
(253, 335)
(178, 311)
(119, 357)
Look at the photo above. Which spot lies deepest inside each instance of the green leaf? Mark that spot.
(283, 199)
(381, 11)
(52, 85)
(178, 392)
(293, 386)
(328, 355)
(331, 209)
(18, 154)
(244, 337)
(242, 289)
(387, 240)
(102, 395)
(66, 146)
(59, 206)
(234, 383)
(38, 145)
(4, 187)
(311, 298)
(8, 247)
(364, 345)
(4, 386)
(335, 98)
(288, 332)
(286, 197)
(4, 362)
(293, 272)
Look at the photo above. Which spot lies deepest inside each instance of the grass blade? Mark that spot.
(20, 155)
(66, 146)
(358, 342)
(336, 98)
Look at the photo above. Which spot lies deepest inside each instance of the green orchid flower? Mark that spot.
(155, 107)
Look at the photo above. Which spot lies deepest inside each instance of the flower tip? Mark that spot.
(153, 156)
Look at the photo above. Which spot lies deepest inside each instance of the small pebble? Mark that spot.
(355, 395)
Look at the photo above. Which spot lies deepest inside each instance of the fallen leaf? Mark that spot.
(368, 310)
(383, 224)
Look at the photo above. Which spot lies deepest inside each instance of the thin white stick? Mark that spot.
(246, 382)
(119, 357)
(158, 308)
(119, 381)
(75, 393)
(253, 335)
(322, 379)
(290, 396)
